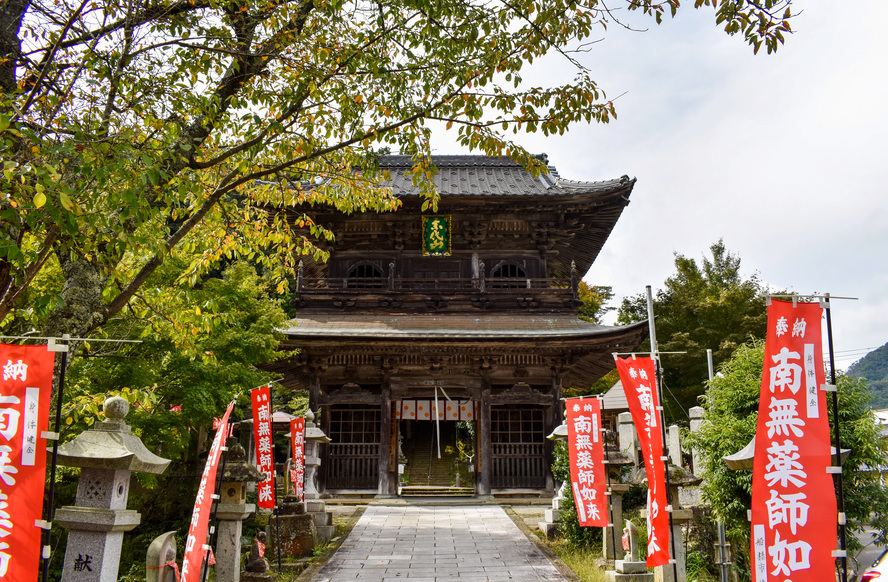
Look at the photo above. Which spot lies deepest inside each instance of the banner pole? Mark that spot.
(277, 514)
(837, 459)
(659, 379)
(722, 556)
(610, 494)
(50, 509)
(205, 568)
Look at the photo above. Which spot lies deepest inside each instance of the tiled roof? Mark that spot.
(449, 326)
(615, 398)
(483, 176)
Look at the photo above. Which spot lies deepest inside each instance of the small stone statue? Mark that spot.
(256, 562)
(630, 535)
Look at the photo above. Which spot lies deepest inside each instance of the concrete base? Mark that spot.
(629, 572)
(548, 529)
(325, 533)
(323, 520)
(256, 577)
(626, 567)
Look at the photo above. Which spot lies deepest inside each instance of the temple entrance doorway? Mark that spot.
(425, 473)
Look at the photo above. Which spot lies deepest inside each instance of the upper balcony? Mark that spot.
(379, 292)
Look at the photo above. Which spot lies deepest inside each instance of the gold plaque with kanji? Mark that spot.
(436, 236)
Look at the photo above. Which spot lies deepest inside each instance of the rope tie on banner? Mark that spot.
(172, 565)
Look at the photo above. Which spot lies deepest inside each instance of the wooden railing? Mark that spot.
(518, 465)
(353, 466)
(392, 284)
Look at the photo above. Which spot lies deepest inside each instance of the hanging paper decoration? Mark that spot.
(261, 398)
(425, 410)
(585, 447)
(638, 376)
(794, 515)
(297, 436)
(195, 543)
(25, 391)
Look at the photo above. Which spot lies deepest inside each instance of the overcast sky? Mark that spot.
(782, 156)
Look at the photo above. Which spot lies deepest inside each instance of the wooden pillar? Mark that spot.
(553, 418)
(485, 472)
(386, 421)
(314, 391)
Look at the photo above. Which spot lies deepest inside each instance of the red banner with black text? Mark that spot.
(25, 392)
(585, 447)
(792, 453)
(639, 378)
(195, 543)
(261, 398)
(297, 472)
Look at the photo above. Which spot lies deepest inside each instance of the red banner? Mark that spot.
(297, 473)
(585, 447)
(261, 398)
(792, 453)
(639, 379)
(195, 543)
(25, 391)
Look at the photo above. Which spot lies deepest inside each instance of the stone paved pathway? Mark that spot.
(474, 543)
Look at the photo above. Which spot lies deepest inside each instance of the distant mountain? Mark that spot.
(874, 367)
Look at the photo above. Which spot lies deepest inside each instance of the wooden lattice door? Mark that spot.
(353, 461)
(517, 447)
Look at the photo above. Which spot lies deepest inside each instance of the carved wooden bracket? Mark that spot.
(528, 302)
(389, 302)
(481, 302)
(436, 303)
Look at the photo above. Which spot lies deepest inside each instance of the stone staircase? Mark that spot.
(427, 475)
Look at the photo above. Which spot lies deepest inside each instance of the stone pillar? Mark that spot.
(626, 430)
(107, 455)
(484, 448)
(612, 534)
(673, 444)
(668, 573)
(697, 414)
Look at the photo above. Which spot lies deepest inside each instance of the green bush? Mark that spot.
(568, 521)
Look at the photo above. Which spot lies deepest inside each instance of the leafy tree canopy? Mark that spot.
(134, 132)
(731, 402)
(701, 307)
(232, 328)
(594, 300)
(873, 367)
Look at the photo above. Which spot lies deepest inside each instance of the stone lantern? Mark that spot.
(107, 455)
(233, 510)
(323, 519)
(314, 438)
